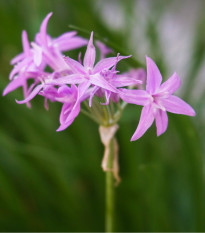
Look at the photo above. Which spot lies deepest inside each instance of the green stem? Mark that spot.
(109, 212)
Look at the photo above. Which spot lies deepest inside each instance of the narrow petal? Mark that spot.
(43, 30)
(99, 81)
(104, 50)
(75, 66)
(20, 66)
(70, 79)
(146, 120)
(35, 91)
(138, 97)
(73, 114)
(161, 119)
(94, 90)
(107, 63)
(124, 81)
(26, 47)
(154, 77)
(68, 115)
(37, 54)
(89, 58)
(171, 85)
(82, 88)
(69, 44)
(107, 97)
(176, 105)
(65, 36)
(14, 84)
(17, 58)
(25, 92)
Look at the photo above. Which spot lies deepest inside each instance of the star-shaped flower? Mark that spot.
(157, 99)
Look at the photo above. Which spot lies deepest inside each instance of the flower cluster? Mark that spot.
(43, 69)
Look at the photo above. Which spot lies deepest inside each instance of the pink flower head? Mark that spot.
(88, 74)
(157, 99)
(47, 49)
(44, 51)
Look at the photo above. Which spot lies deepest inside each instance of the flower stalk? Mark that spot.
(111, 168)
(109, 191)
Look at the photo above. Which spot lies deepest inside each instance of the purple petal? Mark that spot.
(89, 58)
(14, 84)
(26, 47)
(107, 97)
(20, 66)
(68, 115)
(99, 81)
(17, 58)
(75, 66)
(161, 119)
(35, 91)
(73, 114)
(43, 30)
(115, 97)
(94, 90)
(146, 120)
(82, 88)
(176, 105)
(104, 50)
(123, 81)
(65, 36)
(107, 63)
(154, 77)
(72, 43)
(138, 97)
(171, 85)
(25, 92)
(37, 54)
(64, 90)
(70, 79)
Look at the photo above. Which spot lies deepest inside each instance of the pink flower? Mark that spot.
(88, 74)
(157, 99)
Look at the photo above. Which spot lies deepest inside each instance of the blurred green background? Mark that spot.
(53, 181)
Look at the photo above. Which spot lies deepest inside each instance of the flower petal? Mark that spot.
(146, 120)
(35, 91)
(94, 90)
(161, 119)
(37, 54)
(99, 81)
(68, 115)
(107, 63)
(171, 85)
(124, 81)
(82, 88)
(138, 97)
(21, 66)
(107, 97)
(75, 66)
(43, 30)
(14, 84)
(70, 79)
(65, 36)
(154, 77)
(71, 43)
(26, 47)
(176, 105)
(89, 58)
(17, 58)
